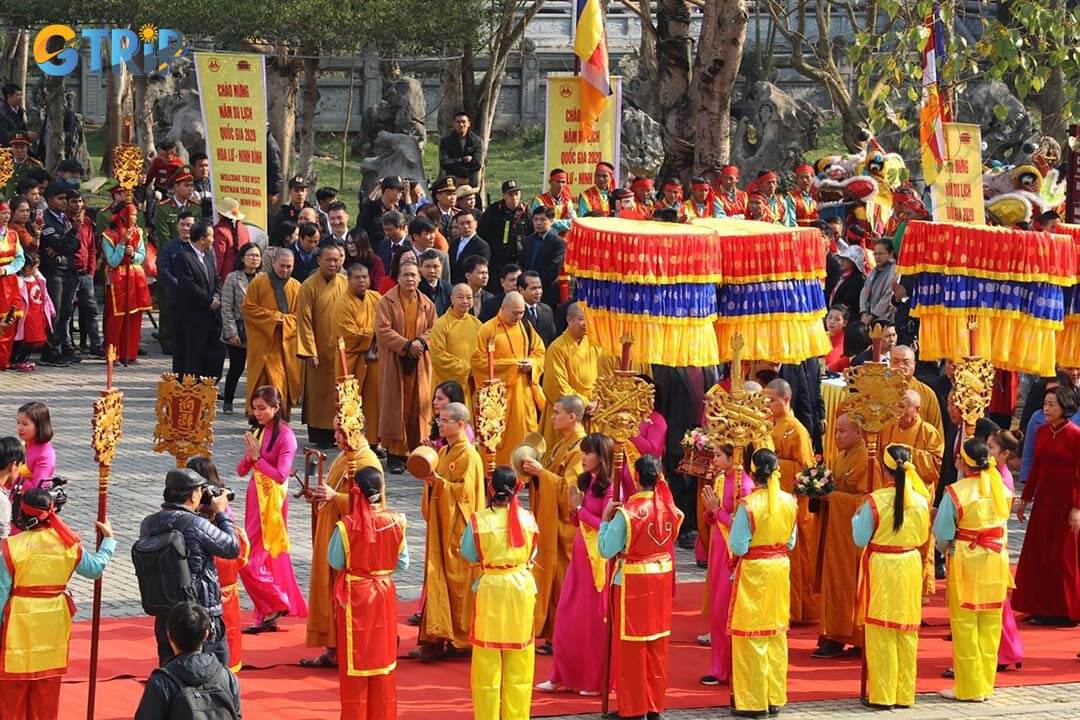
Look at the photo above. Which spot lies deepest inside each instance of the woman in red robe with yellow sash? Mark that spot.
(368, 545)
(127, 294)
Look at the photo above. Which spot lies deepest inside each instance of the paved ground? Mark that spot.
(137, 481)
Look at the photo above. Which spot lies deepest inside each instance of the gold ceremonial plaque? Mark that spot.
(974, 385)
(491, 414)
(350, 413)
(874, 391)
(127, 162)
(737, 418)
(107, 425)
(7, 166)
(185, 416)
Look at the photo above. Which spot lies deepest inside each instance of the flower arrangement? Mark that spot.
(815, 481)
(697, 453)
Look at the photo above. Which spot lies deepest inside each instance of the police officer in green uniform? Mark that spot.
(166, 214)
(19, 142)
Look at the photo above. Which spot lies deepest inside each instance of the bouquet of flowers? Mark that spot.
(697, 453)
(815, 481)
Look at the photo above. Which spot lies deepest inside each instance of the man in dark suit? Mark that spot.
(537, 313)
(508, 276)
(504, 226)
(680, 398)
(198, 305)
(465, 244)
(166, 281)
(395, 237)
(12, 112)
(432, 285)
(475, 270)
(544, 251)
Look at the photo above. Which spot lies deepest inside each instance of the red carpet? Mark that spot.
(272, 683)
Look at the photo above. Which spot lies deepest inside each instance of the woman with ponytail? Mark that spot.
(368, 545)
(762, 534)
(502, 539)
(892, 525)
(970, 529)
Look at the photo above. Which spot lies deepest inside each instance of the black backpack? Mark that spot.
(161, 566)
(200, 702)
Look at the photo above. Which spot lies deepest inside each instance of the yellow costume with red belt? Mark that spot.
(889, 603)
(228, 577)
(503, 659)
(643, 602)
(761, 598)
(366, 610)
(978, 578)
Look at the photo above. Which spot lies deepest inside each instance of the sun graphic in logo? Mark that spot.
(148, 34)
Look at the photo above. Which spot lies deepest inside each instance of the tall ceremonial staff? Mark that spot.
(107, 428)
(490, 412)
(127, 163)
(350, 415)
(974, 383)
(623, 402)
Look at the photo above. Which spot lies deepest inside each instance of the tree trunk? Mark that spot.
(144, 115)
(716, 67)
(469, 100)
(14, 59)
(114, 115)
(1051, 102)
(673, 53)
(309, 100)
(451, 91)
(282, 87)
(648, 64)
(54, 112)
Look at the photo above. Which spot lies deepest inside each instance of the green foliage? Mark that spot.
(1022, 47)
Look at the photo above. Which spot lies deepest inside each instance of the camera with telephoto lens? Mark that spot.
(213, 491)
(54, 486)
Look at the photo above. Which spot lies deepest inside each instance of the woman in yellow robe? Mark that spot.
(892, 525)
(971, 529)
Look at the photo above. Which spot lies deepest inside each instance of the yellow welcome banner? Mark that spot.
(232, 90)
(957, 192)
(564, 146)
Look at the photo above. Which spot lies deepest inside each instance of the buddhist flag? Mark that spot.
(935, 112)
(590, 45)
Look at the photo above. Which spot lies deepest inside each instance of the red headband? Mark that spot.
(4, 205)
(557, 175)
(730, 171)
(804, 169)
(363, 518)
(49, 517)
(767, 175)
(641, 183)
(700, 186)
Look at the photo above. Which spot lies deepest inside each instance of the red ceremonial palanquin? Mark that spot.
(366, 611)
(228, 576)
(9, 293)
(643, 602)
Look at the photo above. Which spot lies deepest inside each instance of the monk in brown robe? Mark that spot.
(902, 359)
(271, 327)
(838, 556)
(551, 477)
(403, 321)
(354, 323)
(792, 445)
(519, 362)
(331, 501)
(317, 344)
(927, 451)
(452, 494)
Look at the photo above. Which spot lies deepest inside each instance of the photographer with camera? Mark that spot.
(35, 604)
(173, 557)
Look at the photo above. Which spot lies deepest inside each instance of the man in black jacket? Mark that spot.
(504, 227)
(197, 333)
(188, 627)
(391, 197)
(12, 112)
(544, 252)
(461, 153)
(204, 540)
(59, 243)
(465, 244)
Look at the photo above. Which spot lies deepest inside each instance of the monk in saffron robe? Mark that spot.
(519, 361)
(927, 450)
(270, 322)
(453, 493)
(838, 555)
(793, 447)
(331, 501)
(317, 344)
(403, 320)
(453, 339)
(571, 366)
(902, 359)
(354, 322)
(558, 470)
